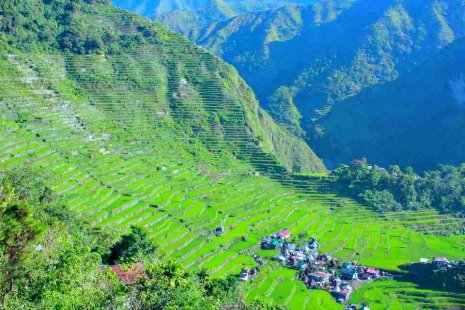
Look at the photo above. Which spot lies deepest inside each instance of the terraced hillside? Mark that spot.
(169, 138)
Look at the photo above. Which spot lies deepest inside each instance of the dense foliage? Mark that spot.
(46, 255)
(56, 24)
(448, 278)
(51, 259)
(395, 189)
(131, 248)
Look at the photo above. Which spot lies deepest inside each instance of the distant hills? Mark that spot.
(153, 8)
(304, 60)
(190, 17)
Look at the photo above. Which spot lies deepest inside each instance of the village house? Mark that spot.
(313, 244)
(244, 275)
(219, 230)
(372, 273)
(440, 261)
(342, 292)
(343, 295)
(259, 260)
(320, 278)
(318, 271)
(270, 243)
(248, 274)
(283, 234)
(349, 271)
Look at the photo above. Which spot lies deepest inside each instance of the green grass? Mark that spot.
(395, 295)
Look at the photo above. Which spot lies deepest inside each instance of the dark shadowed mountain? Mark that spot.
(417, 119)
(303, 60)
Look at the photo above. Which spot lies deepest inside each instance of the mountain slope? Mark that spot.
(311, 57)
(417, 119)
(190, 22)
(116, 35)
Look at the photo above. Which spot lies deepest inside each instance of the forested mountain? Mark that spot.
(189, 17)
(416, 120)
(303, 60)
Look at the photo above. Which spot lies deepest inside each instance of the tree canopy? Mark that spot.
(395, 189)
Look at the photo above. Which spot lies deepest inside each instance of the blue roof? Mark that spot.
(350, 271)
(347, 265)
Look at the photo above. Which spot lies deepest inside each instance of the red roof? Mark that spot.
(320, 274)
(284, 233)
(130, 276)
(372, 271)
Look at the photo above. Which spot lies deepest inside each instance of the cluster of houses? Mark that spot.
(320, 271)
(250, 273)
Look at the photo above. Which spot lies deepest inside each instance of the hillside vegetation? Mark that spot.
(154, 8)
(130, 125)
(162, 73)
(308, 59)
(392, 189)
(52, 259)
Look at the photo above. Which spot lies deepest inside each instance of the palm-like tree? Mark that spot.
(174, 274)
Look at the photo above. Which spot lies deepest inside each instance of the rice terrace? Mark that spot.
(147, 129)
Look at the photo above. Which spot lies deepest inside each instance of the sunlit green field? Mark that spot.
(395, 295)
(120, 167)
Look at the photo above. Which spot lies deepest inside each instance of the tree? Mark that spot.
(132, 247)
(173, 273)
(18, 230)
(260, 304)
(380, 201)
